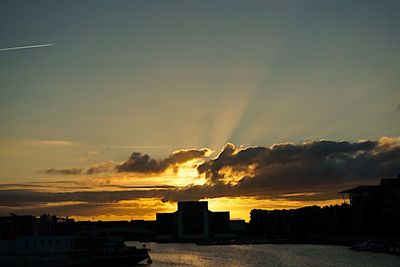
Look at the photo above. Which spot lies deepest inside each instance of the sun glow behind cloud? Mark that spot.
(237, 179)
(187, 174)
(138, 209)
(245, 73)
(240, 207)
(232, 177)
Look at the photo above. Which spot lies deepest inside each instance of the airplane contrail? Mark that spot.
(141, 146)
(24, 47)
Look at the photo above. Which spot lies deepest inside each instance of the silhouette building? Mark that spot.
(192, 221)
(376, 208)
(374, 213)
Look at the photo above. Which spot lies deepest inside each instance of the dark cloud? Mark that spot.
(311, 171)
(315, 170)
(309, 166)
(86, 209)
(102, 167)
(61, 171)
(44, 186)
(34, 197)
(142, 163)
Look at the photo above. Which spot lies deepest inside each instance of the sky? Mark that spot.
(118, 109)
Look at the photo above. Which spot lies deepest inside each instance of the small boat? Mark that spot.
(121, 256)
(369, 246)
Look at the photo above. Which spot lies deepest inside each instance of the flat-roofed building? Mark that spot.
(192, 221)
(166, 226)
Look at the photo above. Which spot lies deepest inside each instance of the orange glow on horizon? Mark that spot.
(239, 208)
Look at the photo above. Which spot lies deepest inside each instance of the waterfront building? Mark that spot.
(373, 213)
(302, 223)
(192, 221)
(376, 208)
(238, 227)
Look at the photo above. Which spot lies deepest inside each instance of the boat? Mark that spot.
(67, 251)
(369, 246)
(128, 257)
(117, 254)
(43, 251)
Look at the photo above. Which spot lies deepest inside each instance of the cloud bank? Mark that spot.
(315, 164)
(310, 171)
(143, 163)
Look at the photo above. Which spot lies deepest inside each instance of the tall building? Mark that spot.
(192, 221)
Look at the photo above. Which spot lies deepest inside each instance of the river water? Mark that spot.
(265, 255)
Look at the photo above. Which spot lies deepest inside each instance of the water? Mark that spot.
(265, 255)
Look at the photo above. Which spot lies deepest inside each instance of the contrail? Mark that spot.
(141, 146)
(24, 47)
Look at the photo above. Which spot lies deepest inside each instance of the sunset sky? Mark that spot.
(118, 109)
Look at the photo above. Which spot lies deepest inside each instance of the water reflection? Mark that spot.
(265, 255)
